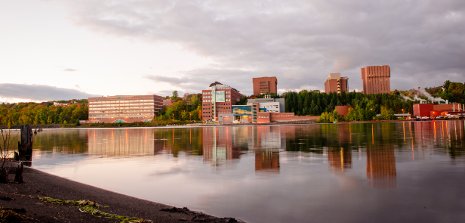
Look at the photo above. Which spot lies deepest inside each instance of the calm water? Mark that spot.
(383, 172)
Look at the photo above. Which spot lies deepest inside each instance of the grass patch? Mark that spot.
(12, 215)
(93, 208)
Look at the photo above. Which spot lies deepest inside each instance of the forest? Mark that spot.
(363, 107)
(451, 91)
(46, 113)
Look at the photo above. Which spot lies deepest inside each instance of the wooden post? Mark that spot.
(25, 146)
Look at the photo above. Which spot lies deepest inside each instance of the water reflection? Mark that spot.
(340, 159)
(381, 166)
(323, 168)
(120, 142)
(217, 145)
(267, 160)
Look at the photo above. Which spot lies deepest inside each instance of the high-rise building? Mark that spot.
(218, 100)
(336, 84)
(376, 79)
(124, 108)
(265, 85)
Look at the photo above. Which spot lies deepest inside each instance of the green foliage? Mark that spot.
(43, 113)
(364, 107)
(187, 110)
(242, 101)
(453, 91)
(93, 208)
(330, 117)
(174, 95)
(386, 114)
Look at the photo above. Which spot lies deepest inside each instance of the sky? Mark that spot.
(65, 49)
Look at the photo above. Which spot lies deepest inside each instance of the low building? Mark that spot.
(342, 110)
(269, 107)
(269, 117)
(433, 110)
(263, 104)
(242, 113)
(124, 108)
(421, 110)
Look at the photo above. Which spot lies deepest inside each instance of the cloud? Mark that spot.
(69, 69)
(39, 92)
(299, 41)
(197, 80)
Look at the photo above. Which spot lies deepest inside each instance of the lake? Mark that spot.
(360, 172)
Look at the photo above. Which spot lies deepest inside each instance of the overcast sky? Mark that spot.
(63, 49)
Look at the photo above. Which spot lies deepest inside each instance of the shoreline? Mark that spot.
(24, 199)
(233, 125)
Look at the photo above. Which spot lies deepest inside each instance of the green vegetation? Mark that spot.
(181, 111)
(363, 107)
(452, 91)
(43, 113)
(13, 215)
(93, 208)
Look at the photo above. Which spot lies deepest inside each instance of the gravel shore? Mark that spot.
(25, 203)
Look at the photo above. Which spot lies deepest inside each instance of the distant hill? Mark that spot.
(451, 91)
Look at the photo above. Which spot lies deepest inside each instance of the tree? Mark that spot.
(174, 95)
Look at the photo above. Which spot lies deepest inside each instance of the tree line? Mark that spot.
(46, 113)
(187, 109)
(363, 106)
(451, 91)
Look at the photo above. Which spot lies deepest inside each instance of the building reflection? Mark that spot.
(178, 140)
(221, 144)
(120, 142)
(447, 134)
(381, 166)
(339, 159)
(218, 145)
(267, 160)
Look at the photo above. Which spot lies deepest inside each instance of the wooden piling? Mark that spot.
(25, 145)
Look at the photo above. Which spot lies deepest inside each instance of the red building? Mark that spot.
(422, 110)
(218, 100)
(342, 110)
(376, 79)
(336, 84)
(265, 85)
(432, 110)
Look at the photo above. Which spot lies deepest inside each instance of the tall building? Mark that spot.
(265, 85)
(218, 100)
(336, 84)
(124, 108)
(376, 79)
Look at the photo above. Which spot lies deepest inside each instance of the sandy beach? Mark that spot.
(25, 203)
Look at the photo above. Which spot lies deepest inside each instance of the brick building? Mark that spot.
(336, 84)
(433, 110)
(218, 100)
(124, 108)
(265, 85)
(376, 79)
